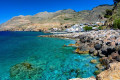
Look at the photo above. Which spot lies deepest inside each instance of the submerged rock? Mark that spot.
(94, 61)
(24, 71)
(81, 52)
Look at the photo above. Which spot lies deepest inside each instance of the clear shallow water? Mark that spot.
(57, 62)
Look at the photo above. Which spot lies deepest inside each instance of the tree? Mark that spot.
(116, 1)
(108, 13)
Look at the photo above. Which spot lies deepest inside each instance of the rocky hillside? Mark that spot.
(47, 20)
(115, 16)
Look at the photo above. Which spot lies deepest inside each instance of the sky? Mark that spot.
(11, 8)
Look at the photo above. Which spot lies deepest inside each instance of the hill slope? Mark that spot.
(46, 20)
(115, 16)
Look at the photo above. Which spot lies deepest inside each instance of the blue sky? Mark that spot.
(11, 8)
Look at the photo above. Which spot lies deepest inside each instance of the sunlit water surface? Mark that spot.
(57, 62)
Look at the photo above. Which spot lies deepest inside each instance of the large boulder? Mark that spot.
(98, 46)
(113, 73)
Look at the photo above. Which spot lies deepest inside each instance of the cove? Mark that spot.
(53, 61)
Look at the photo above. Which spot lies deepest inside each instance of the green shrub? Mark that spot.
(108, 13)
(100, 27)
(67, 18)
(116, 24)
(87, 28)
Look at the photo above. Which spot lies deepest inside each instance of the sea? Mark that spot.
(48, 59)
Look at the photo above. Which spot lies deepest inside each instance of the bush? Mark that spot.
(87, 28)
(108, 13)
(67, 18)
(100, 27)
(116, 24)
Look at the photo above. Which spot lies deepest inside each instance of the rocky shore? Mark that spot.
(104, 44)
(67, 35)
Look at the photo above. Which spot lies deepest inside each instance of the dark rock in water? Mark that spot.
(98, 46)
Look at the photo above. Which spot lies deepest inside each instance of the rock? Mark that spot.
(110, 50)
(81, 52)
(91, 50)
(24, 71)
(98, 46)
(104, 61)
(95, 53)
(113, 73)
(110, 57)
(118, 58)
(114, 55)
(97, 72)
(119, 51)
(94, 61)
(100, 66)
(108, 43)
(91, 78)
(104, 50)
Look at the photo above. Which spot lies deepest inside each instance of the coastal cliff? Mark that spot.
(46, 20)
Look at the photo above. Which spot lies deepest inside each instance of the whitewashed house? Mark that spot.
(75, 28)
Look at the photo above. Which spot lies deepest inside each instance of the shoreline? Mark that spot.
(103, 44)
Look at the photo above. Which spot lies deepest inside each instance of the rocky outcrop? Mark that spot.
(113, 73)
(43, 21)
(103, 43)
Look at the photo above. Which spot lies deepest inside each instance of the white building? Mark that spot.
(75, 28)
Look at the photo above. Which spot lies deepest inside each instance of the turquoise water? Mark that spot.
(48, 54)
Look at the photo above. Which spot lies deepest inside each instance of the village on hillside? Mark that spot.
(78, 27)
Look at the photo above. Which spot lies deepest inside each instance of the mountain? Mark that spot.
(47, 20)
